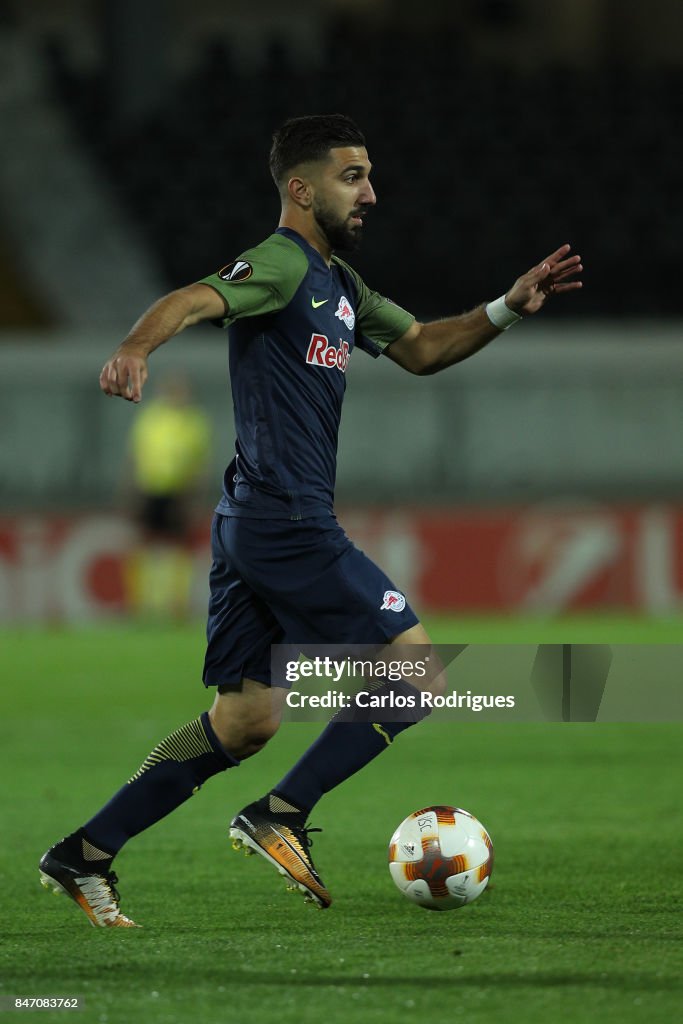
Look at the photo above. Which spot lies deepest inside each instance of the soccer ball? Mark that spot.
(441, 858)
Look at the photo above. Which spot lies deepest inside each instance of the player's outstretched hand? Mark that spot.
(124, 375)
(552, 276)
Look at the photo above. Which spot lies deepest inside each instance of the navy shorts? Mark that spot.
(298, 582)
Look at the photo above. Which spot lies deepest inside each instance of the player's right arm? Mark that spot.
(125, 373)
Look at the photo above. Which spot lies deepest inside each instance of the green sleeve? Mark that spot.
(379, 319)
(263, 280)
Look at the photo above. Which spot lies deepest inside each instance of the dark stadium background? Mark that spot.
(494, 125)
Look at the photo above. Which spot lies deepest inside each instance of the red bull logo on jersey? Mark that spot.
(321, 353)
(346, 313)
(393, 601)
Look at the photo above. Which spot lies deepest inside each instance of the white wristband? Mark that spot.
(500, 314)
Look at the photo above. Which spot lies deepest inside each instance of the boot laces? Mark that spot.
(101, 892)
(303, 834)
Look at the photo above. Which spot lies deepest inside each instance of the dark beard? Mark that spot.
(338, 233)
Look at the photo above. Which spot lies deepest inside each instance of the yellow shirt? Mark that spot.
(170, 446)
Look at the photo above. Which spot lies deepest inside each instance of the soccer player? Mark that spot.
(283, 569)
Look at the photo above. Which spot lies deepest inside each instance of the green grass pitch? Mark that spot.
(582, 924)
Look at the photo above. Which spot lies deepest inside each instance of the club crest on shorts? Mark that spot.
(393, 601)
(238, 270)
(346, 313)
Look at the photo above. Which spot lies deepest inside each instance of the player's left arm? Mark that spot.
(428, 348)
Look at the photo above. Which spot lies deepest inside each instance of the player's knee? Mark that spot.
(245, 738)
(259, 734)
(245, 720)
(438, 684)
(251, 745)
(434, 684)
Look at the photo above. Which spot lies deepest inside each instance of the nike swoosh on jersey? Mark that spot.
(316, 304)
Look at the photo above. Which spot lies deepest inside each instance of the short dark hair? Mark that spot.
(303, 139)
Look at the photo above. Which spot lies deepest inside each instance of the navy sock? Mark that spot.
(79, 852)
(343, 748)
(174, 770)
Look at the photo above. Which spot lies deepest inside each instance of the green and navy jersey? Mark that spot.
(293, 325)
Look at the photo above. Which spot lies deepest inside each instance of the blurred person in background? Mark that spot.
(169, 448)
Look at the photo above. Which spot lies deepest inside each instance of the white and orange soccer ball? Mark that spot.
(441, 858)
